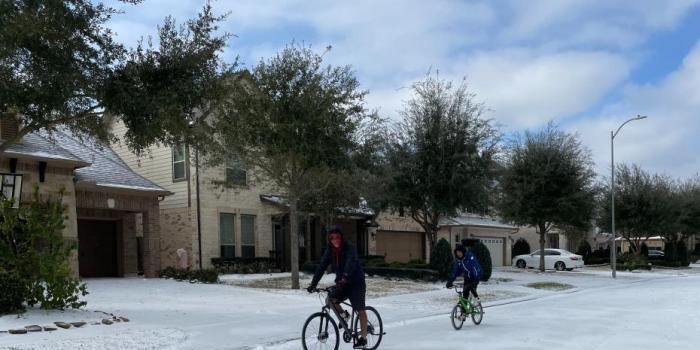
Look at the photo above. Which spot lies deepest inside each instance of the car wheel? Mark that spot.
(559, 266)
(521, 264)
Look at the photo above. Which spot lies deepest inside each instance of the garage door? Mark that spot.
(97, 248)
(495, 246)
(400, 246)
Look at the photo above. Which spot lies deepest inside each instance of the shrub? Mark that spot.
(441, 259)
(665, 263)
(192, 276)
(244, 265)
(632, 261)
(33, 247)
(520, 247)
(482, 254)
(584, 249)
(682, 251)
(14, 293)
(395, 272)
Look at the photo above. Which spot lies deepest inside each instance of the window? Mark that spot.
(227, 235)
(248, 236)
(235, 172)
(11, 188)
(179, 163)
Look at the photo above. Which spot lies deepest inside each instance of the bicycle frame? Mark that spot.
(466, 303)
(330, 305)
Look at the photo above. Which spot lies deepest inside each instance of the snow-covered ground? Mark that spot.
(636, 311)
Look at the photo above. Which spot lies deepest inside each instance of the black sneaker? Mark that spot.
(360, 343)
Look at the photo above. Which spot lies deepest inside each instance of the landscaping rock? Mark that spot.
(124, 319)
(62, 325)
(49, 328)
(107, 321)
(33, 328)
(96, 323)
(18, 331)
(78, 324)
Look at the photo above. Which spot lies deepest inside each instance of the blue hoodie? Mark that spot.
(468, 266)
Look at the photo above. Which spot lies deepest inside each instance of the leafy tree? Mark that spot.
(32, 247)
(688, 199)
(644, 206)
(483, 255)
(292, 121)
(60, 67)
(671, 251)
(441, 258)
(548, 182)
(441, 155)
(520, 247)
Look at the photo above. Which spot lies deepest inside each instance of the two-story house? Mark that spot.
(210, 220)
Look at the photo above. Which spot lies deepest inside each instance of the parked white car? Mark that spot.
(556, 259)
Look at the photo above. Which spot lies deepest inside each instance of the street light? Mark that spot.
(613, 249)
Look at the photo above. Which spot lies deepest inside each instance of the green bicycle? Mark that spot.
(465, 307)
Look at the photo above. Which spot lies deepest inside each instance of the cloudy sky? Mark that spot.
(587, 65)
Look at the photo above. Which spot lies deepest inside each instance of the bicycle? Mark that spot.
(465, 307)
(321, 331)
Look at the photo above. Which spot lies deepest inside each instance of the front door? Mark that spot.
(97, 248)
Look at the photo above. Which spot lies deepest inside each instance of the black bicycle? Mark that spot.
(321, 330)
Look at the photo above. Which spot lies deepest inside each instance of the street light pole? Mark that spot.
(613, 249)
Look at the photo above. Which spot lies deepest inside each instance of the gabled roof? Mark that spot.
(361, 211)
(106, 168)
(34, 146)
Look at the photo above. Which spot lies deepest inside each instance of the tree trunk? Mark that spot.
(307, 246)
(294, 241)
(543, 232)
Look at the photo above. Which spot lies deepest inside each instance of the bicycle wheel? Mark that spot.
(375, 328)
(457, 317)
(477, 313)
(320, 333)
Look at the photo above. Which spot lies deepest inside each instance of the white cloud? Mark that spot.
(667, 141)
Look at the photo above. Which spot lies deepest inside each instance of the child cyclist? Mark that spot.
(466, 265)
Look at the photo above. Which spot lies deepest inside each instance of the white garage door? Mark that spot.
(495, 246)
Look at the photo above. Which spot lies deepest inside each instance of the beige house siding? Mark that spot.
(156, 165)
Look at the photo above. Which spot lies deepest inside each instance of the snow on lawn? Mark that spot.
(166, 314)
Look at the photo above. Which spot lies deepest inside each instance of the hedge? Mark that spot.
(423, 274)
(192, 276)
(244, 265)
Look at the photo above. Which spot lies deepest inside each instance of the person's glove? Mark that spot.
(341, 284)
(311, 288)
(449, 285)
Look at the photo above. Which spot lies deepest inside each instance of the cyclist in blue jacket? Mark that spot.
(468, 266)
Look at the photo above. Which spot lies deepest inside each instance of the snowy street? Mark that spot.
(638, 310)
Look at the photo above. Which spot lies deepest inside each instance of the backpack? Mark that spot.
(473, 267)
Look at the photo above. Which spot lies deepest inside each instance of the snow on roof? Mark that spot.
(476, 220)
(35, 146)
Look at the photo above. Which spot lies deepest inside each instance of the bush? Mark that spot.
(441, 259)
(244, 265)
(33, 247)
(520, 247)
(415, 274)
(192, 276)
(632, 261)
(584, 250)
(482, 254)
(665, 263)
(682, 251)
(14, 293)
(373, 260)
